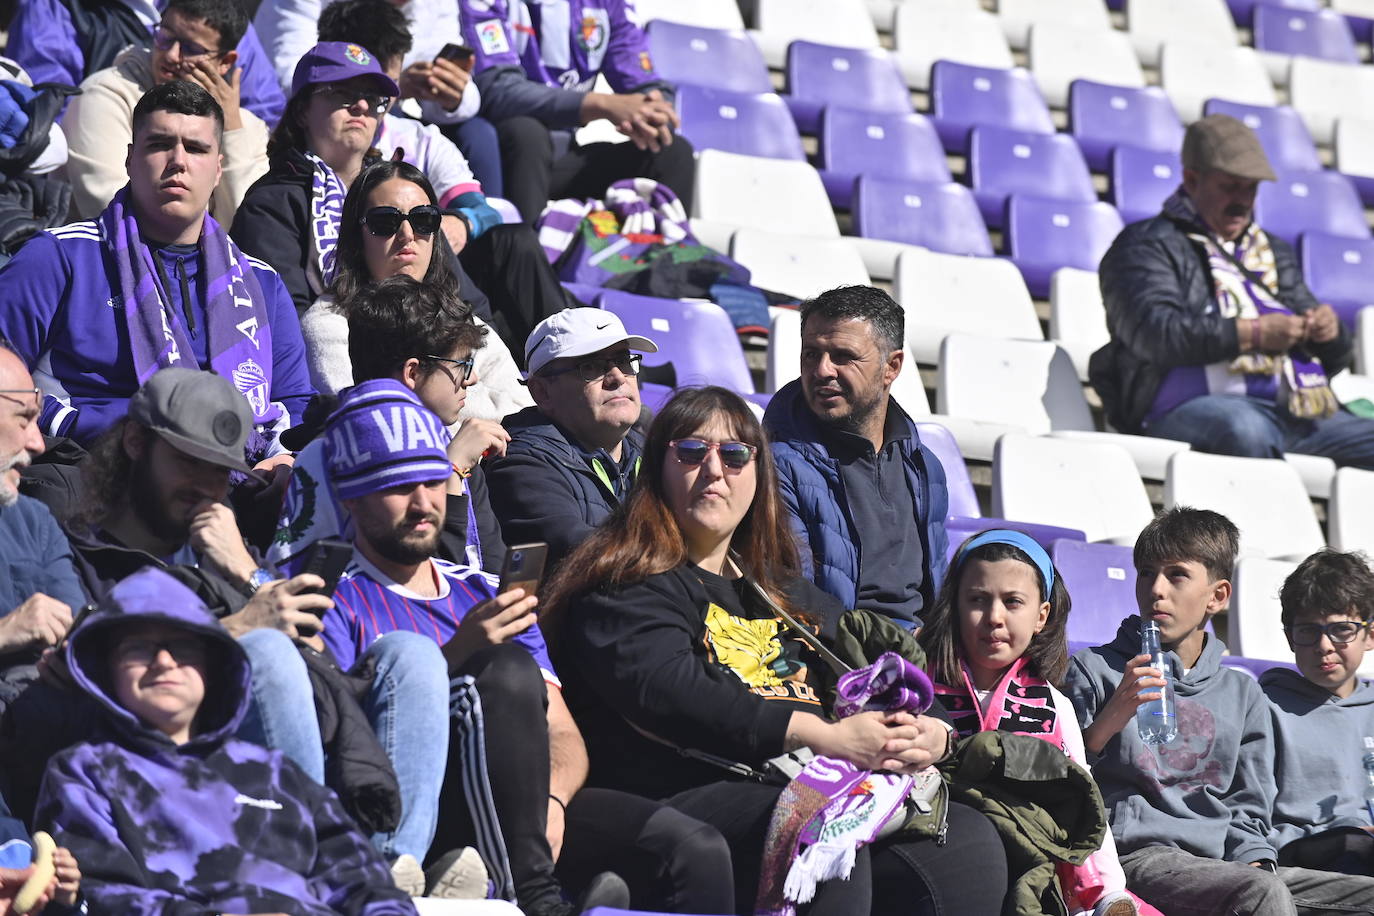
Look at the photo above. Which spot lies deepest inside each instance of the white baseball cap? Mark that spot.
(579, 332)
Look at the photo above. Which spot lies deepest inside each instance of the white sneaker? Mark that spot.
(458, 874)
(408, 875)
(1116, 903)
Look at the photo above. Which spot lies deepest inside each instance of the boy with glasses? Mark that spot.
(194, 41)
(573, 456)
(1323, 717)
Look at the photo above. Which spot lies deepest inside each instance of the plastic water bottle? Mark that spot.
(1369, 778)
(1155, 719)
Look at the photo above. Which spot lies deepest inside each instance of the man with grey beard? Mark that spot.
(39, 587)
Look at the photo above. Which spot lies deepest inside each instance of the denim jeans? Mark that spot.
(282, 712)
(1182, 884)
(1231, 424)
(408, 708)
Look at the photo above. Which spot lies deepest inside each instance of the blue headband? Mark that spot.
(1023, 542)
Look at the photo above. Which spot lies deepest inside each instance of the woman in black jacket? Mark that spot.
(665, 648)
(290, 217)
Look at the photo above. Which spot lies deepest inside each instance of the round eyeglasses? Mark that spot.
(1341, 632)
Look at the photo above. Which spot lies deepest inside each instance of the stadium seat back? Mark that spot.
(1322, 34)
(1305, 201)
(697, 339)
(1029, 384)
(944, 294)
(775, 195)
(939, 215)
(1044, 235)
(1339, 271)
(1280, 130)
(751, 124)
(1061, 53)
(864, 78)
(796, 265)
(713, 58)
(1103, 117)
(964, 97)
(1141, 180)
(1191, 73)
(1004, 162)
(1254, 617)
(855, 142)
(926, 32)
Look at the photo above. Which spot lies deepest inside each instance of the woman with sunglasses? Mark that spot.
(291, 218)
(668, 656)
(390, 228)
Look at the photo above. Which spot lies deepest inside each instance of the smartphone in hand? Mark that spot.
(461, 55)
(524, 567)
(328, 558)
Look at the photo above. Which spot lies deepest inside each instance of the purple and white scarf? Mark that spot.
(327, 193)
(240, 337)
(1295, 380)
(832, 808)
(642, 207)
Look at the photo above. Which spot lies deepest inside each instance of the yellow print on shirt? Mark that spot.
(751, 649)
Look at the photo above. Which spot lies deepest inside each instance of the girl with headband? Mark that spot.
(995, 646)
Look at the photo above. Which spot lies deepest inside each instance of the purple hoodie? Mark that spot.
(213, 825)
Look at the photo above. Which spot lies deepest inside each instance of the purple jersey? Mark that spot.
(368, 604)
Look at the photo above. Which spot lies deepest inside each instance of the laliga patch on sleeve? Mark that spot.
(492, 35)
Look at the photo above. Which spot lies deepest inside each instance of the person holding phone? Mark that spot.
(388, 467)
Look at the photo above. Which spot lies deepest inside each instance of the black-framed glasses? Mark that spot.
(461, 371)
(342, 97)
(734, 455)
(164, 38)
(594, 370)
(21, 397)
(1340, 632)
(386, 221)
(185, 650)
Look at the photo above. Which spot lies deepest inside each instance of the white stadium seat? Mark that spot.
(797, 265)
(1019, 16)
(1324, 92)
(706, 14)
(844, 23)
(1091, 486)
(1155, 23)
(948, 293)
(774, 195)
(1061, 53)
(1349, 523)
(1191, 73)
(1265, 498)
(927, 32)
(1078, 321)
(1255, 629)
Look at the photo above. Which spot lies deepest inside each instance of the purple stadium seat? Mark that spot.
(714, 58)
(1304, 201)
(821, 75)
(1339, 271)
(1101, 117)
(1280, 130)
(1361, 27)
(964, 97)
(1044, 235)
(854, 142)
(1142, 179)
(1243, 11)
(697, 343)
(941, 216)
(1004, 162)
(963, 502)
(961, 529)
(756, 124)
(1101, 583)
(1311, 33)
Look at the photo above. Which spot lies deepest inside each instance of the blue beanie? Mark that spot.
(381, 436)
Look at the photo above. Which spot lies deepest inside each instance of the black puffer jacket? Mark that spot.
(1161, 313)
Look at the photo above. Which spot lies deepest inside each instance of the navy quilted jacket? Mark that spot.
(827, 537)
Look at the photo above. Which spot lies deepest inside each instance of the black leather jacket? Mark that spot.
(1161, 313)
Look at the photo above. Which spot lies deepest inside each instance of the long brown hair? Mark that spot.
(642, 537)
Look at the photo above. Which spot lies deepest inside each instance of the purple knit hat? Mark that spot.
(382, 436)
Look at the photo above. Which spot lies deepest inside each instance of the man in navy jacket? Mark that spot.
(867, 499)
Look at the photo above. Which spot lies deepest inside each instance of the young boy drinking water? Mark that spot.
(1191, 817)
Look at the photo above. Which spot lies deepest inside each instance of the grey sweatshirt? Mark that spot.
(1319, 744)
(1209, 790)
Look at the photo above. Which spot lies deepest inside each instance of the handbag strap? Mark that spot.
(811, 639)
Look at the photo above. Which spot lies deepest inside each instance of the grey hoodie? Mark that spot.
(1319, 745)
(1208, 791)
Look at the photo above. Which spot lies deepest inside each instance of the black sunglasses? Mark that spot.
(386, 221)
(1342, 632)
(734, 455)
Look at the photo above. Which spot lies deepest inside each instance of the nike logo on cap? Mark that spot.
(602, 327)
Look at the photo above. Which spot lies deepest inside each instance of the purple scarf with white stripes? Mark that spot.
(240, 339)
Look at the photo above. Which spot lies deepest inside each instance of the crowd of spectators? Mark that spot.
(293, 388)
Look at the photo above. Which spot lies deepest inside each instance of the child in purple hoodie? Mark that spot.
(169, 814)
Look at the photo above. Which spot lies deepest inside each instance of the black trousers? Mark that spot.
(968, 875)
(533, 175)
(508, 265)
(1348, 850)
(670, 860)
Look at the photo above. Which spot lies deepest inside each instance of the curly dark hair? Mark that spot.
(105, 476)
(1328, 583)
(399, 318)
